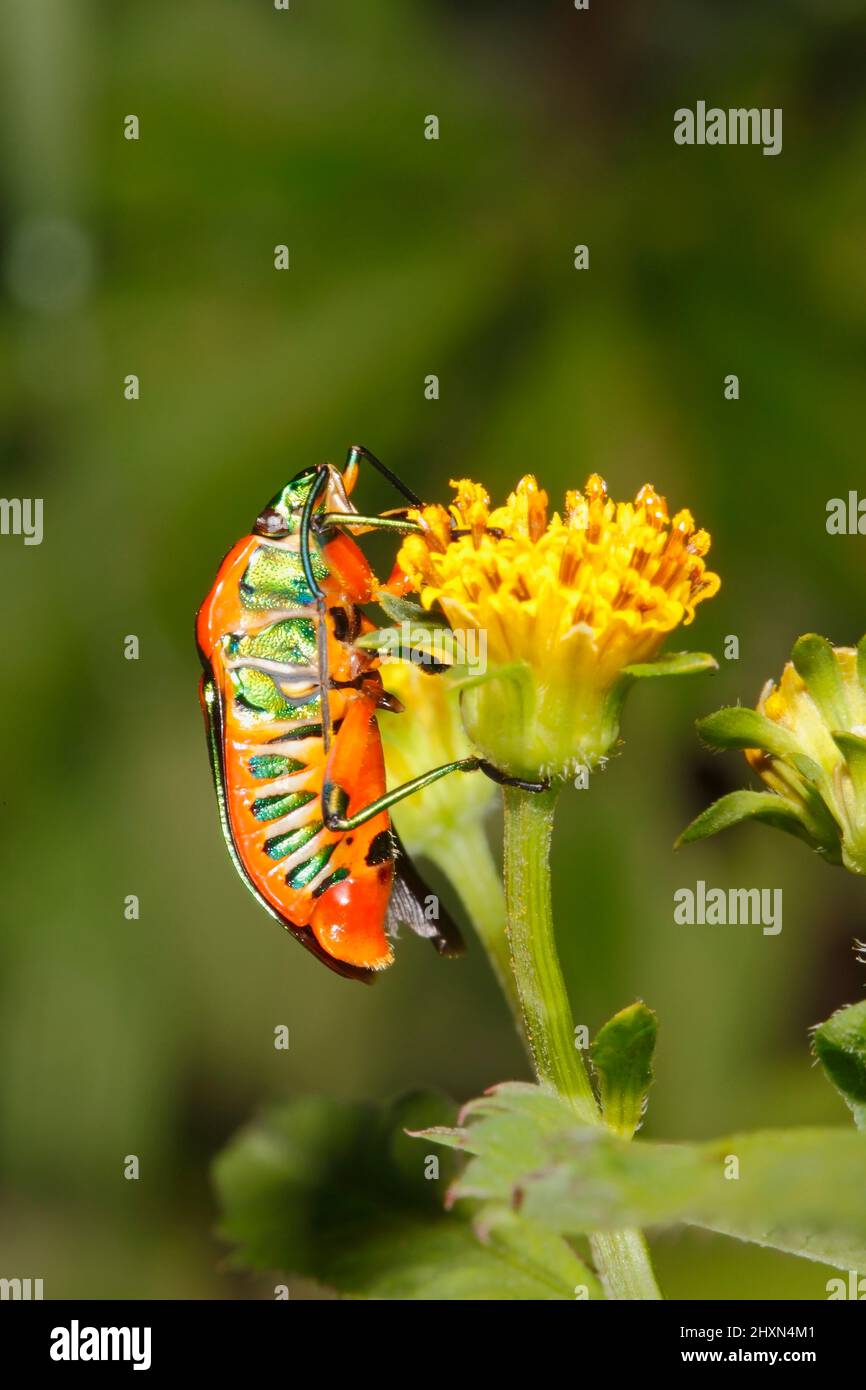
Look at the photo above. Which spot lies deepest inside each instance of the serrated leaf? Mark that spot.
(741, 727)
(336, 1192)
(730, 810)
(815, 661)
(621, 1055)
(800, 1191)
(840, 1046)
(536, 1246)
(673, 664)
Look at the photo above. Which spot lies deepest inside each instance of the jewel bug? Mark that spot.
(290, 709)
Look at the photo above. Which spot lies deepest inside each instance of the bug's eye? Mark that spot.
(270, 522)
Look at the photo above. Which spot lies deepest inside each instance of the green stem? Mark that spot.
(534, 958)
(468, 862)
(622, 1257)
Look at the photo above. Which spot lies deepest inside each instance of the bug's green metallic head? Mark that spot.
(282, 516)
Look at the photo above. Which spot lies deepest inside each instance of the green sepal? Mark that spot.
(621, 1055)
(861, 662)
(673, 664)
(840, 1047)
(518, 672)
(729, 810)
(815, 662)
(740, 727)
(853, 750)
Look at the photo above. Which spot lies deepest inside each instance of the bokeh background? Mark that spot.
(408, 257)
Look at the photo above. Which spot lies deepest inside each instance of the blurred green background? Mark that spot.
(408, 257)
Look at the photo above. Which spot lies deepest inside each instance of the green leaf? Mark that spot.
(800, 1191)
(337, 1192)
(673, 664)
(729, 810)
(840, 1046)
(622, 1054)
(436, 643)
(815, 661)
(402, 610)
(740, 727)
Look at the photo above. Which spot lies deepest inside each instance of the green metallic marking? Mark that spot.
(256, 690)
(304, 873)
(291, 640)
(289, 501)
(275, 578)
(336, 877)
(272, 807)
(280, 846)
(273, 765)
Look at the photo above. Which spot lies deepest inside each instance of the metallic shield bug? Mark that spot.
(290, 706)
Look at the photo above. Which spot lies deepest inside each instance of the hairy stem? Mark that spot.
(469, 864)
(621, 1257)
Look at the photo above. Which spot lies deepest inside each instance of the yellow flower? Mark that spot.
(568, 605)
(807, 742)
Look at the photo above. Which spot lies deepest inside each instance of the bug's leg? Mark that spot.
(312, 497)
(503, 780)
(350, 472)
(310, 501)
(335, 799)
(350, 520)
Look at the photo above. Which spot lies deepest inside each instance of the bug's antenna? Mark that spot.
(358, 451)
(312, 497)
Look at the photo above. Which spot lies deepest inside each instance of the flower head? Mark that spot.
(570, 604)
(807, 742)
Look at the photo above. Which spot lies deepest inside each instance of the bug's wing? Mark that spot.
(410, 902)
(211, 704)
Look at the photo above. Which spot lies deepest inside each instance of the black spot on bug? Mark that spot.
(340, 620)
(381, 849)
(347, 623)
